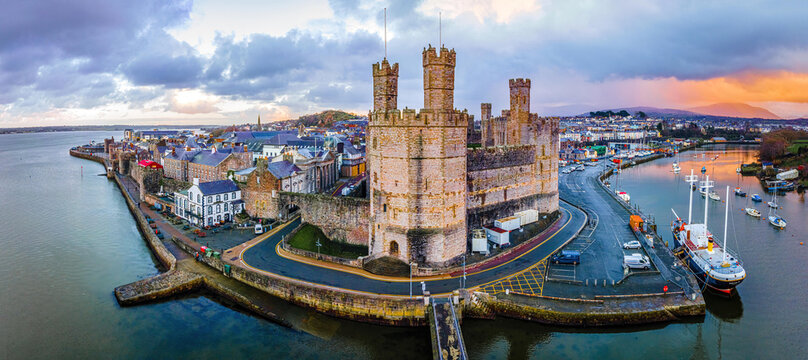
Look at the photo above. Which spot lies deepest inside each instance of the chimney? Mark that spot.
(196, 181)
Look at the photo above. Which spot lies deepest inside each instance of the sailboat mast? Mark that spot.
(706, 199)
(692, 179)
(726, 218)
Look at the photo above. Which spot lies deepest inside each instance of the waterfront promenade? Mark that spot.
(355, 294)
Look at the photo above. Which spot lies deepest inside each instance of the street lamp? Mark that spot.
(318, 247)
(464, 272)
(410, 279)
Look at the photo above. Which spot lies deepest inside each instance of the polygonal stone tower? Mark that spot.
(385, 86)
(439, 78)
(417, 169)
(519, 122)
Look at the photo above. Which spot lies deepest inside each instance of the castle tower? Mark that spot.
(439, 78)
(485, 124)
(519, 122)
(385, 86)
(417, 169)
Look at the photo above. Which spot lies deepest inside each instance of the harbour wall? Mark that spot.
(353, 305)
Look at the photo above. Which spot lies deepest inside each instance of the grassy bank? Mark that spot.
(306, 239)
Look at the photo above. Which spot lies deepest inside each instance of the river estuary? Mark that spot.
(68, 240)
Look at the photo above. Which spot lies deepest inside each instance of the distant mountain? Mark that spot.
(651, 111)
(740, 110)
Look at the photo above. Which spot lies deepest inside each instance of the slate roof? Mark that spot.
(209, 158)
(282, 169)
(181, 154)
(217, 187)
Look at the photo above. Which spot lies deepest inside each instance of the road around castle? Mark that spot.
(262, 255)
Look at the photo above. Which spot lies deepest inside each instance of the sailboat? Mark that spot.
(676, 167)
(714, 266)
(740, 192)
(775, 219)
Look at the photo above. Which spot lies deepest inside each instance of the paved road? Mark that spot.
(264, 257)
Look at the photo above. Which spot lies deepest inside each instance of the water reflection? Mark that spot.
(729, 309)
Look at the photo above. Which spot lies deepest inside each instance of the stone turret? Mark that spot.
(519, 122)
(385, 86)
(485, 124)
(439, 78)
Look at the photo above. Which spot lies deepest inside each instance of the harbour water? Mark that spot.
(68, 240)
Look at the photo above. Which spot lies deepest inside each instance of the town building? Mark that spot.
(207, 165)
(208, 203)
(266, 180)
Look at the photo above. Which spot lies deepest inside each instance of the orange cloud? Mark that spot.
(745, 87)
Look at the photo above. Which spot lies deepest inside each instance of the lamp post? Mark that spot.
(318, 247)
(464, 271)
(410, 279)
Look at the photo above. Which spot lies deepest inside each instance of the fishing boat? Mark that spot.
(676, 168)
(752, 212)
(779, 185)
(703, 169)
(756, 198)
(738, 170)
(775, 219)
(714, 196)
(623, 196)
(739, 192)
(714, 266)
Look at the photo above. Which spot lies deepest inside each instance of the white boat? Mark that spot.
(772, 204)
(775, 219)
(714, 196)
(623, 196)
(752, 212)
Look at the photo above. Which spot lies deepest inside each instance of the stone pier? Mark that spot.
(164, 285)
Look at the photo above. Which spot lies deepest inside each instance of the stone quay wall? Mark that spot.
(159, 250)
(341, 218)
(358, 306)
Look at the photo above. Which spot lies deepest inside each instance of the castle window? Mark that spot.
(542, 150)
(375, 143)
(384, 207)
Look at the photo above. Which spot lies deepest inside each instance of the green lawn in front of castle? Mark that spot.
(306, 239)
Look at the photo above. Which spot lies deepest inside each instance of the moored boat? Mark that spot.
(756, 198)
(712, 264)
(740, 192)
(752, 212)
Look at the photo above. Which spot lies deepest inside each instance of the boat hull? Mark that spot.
(721, 286)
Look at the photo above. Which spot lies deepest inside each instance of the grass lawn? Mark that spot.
(306, 239)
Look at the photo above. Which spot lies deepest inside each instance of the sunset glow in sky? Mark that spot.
(214, 62)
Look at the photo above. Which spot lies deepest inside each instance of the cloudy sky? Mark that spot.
(193, 62)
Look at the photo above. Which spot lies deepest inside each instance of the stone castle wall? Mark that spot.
(343, 219)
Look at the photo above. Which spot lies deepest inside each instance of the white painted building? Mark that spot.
(209, 203)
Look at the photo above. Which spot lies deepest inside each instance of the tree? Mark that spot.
(640, 115)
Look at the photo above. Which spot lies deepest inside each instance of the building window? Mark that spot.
(210, 209)
(218, 208)
(225, 206)
(218, 198)
(210, 199)
(225, 197)
(198, 199)
(234, 196)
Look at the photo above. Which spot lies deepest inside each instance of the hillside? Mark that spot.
(740, 110)
(326, 118)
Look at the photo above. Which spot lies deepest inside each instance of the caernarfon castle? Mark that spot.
(428, 188)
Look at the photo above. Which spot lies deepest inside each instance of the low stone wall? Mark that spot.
(159, 250)
(343, 219)
(359, 306)
(155, 244)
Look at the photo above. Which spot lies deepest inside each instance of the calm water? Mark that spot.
(68, 240)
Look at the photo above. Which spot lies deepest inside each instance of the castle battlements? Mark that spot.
(519, 82)
(385, 69)
(445, 57)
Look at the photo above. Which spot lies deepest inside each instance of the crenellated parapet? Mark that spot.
(439, 78)
(385, 85)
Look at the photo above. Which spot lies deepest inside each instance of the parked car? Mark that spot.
(567, 257)
(636, 261)
(633, 244)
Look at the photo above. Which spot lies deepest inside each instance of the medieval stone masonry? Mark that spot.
(428, 188)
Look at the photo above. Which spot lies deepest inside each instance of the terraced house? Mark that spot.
(206, 165)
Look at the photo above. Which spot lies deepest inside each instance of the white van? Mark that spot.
(636, 261)
(259, 229)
